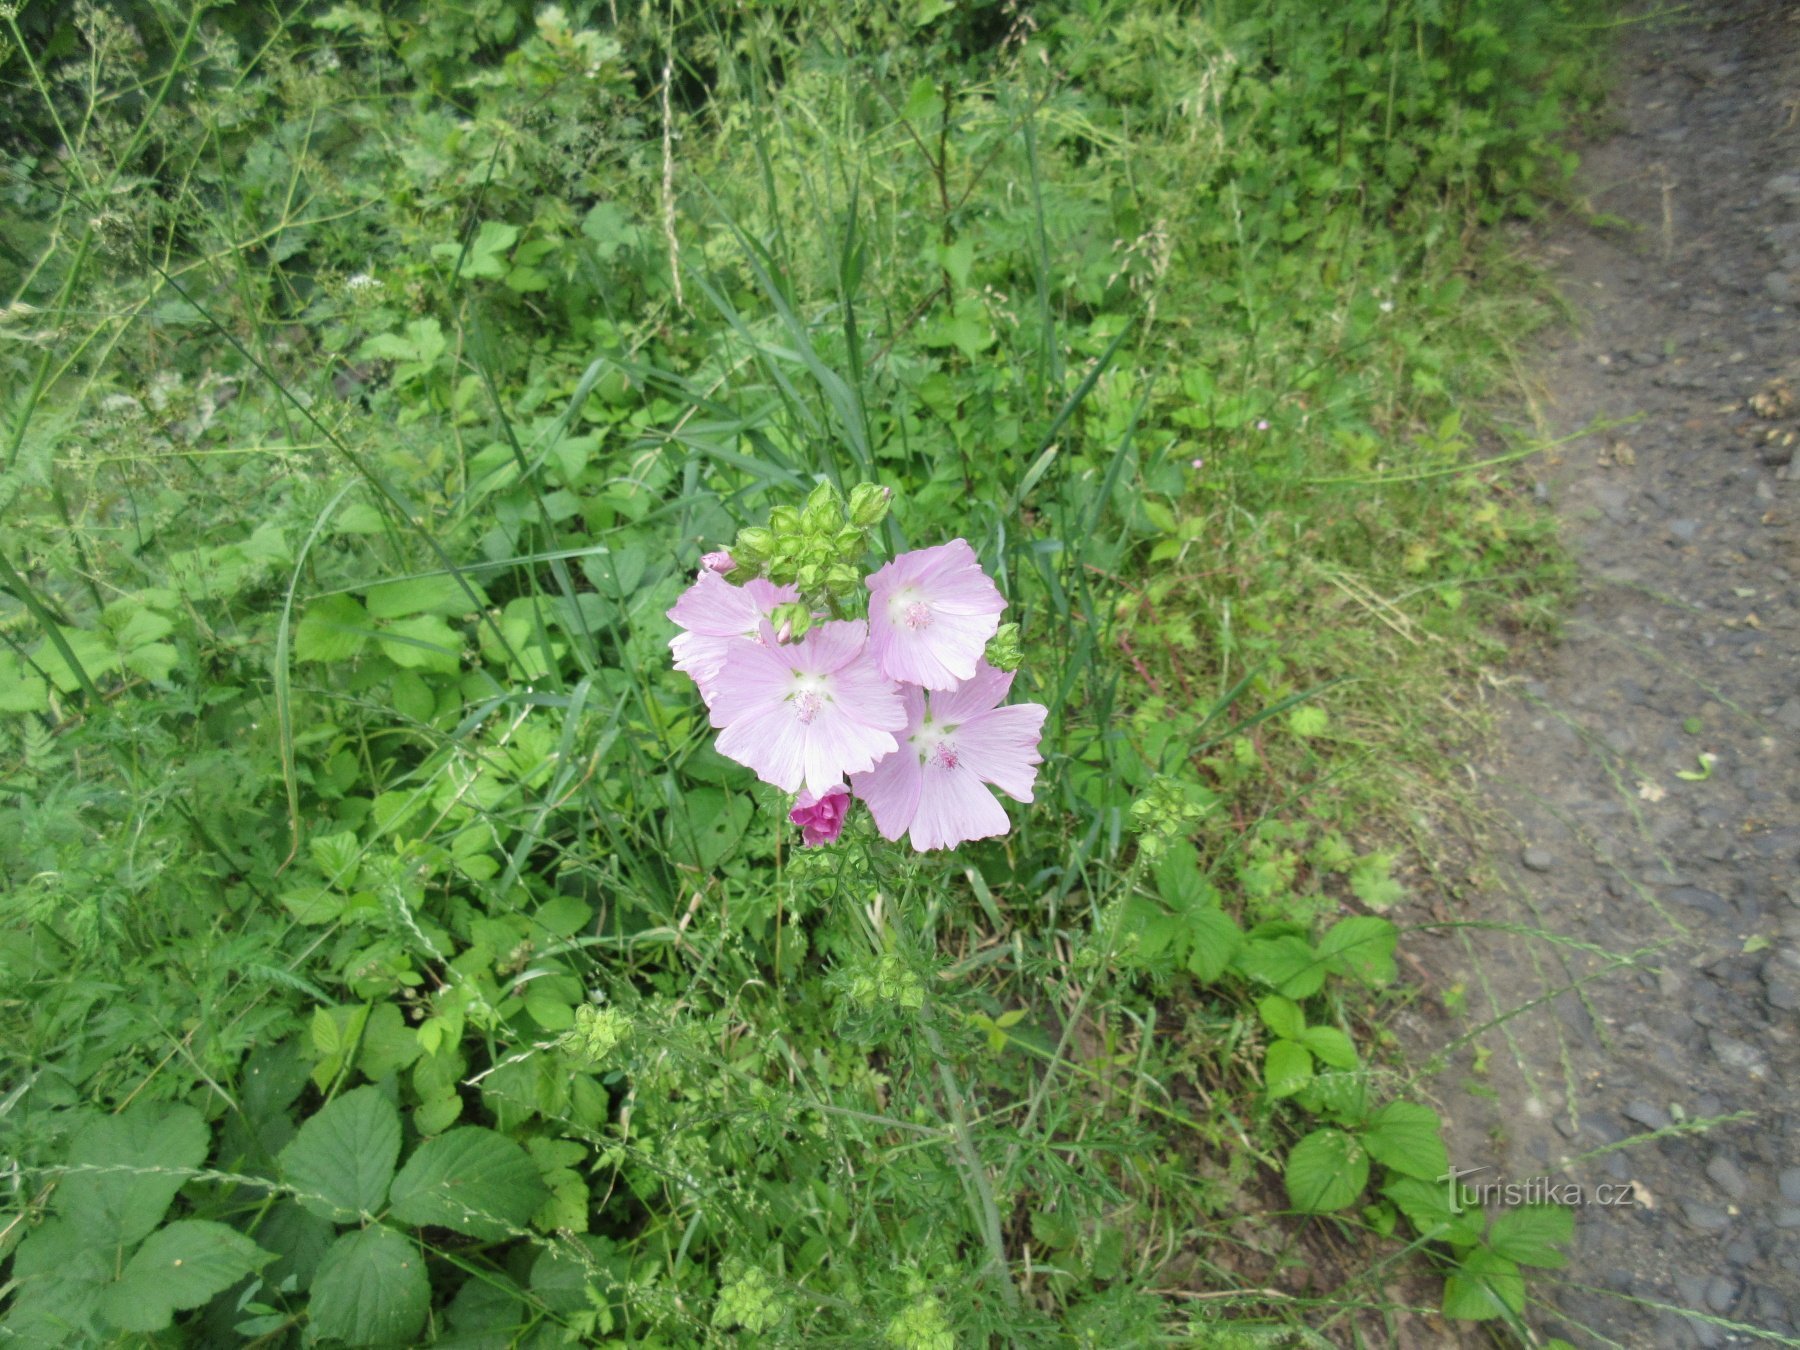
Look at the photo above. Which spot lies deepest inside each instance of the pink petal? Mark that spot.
(891, 791)
(767, 744)
(982, 692)
(753, 681)
(713, 606)
(954, 807)
(1001, 747)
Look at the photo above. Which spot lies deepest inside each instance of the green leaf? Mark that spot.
(424, 642)
(342, 1159)
(1282, 1016)
(1287, 962)
(1327, 1170)
(58, 1274)
(436, 594)
(1308, 720)
(91, 652)
(371, 1289)
(1287, 1069)
(1404, 1136)
(1362, 947)
(1485, 1286)
(181, 1266)
(1370, 882)
(923, 103)
(1525, 1235)
(487, 251)
(1426, 1205)
(21, 689)
(469, 1179)
(1216, 940)
(120, 1206)
(333, 628)
(1332, 1046)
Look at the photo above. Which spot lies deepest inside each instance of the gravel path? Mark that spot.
(1685, 644)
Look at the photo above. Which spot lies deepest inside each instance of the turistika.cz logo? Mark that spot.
(1533, 1191)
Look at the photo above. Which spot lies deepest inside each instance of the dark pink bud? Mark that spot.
(821, 819)
(720, 562)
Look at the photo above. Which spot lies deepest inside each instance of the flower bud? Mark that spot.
(784, 520)
(869, 504)
(823, 512)
(720, 562)
(754, 544)
(1004, 651)
(791, 621)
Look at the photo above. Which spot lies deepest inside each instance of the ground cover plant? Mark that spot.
(412, 932)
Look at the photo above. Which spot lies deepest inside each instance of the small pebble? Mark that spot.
(1537, 859)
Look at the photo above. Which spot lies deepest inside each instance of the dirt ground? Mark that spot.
(1647, 771)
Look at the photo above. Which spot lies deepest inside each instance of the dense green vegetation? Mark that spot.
(388, 957)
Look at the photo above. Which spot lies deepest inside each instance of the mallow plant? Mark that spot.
(884, 688)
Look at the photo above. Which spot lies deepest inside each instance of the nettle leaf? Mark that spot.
(471, 1180)
(1525, 1235)
(334, 628)
(181, 1266)
(1327, 1170)
(342, 1159)
(1362, 947)
(22, 690)
(149, 1152)
(435, 594)
(423, 642)
(1287, 1069)
(370, 1289)
(1426, 1205)
(1485, 1286)
(1404, 1136)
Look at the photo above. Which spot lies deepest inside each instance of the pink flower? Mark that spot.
(811, 711)
(821, 818)
(953, 744)
(719, 616)
(931, 613)
(720, 562)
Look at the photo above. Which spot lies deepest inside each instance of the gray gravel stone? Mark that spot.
(1647, 1114)
(1704, 1217)
(1790, 1185)
(1538, 859)
(1726, 1175)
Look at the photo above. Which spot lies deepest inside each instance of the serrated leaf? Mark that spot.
(469, 1179)
(58, 1273)
(341, 1161)
(1308, 720)
(21, 689)
(1526, 1235)
(1326, 1171)
(436, 594)
(1404, 1136)
(1287, 962)
(370, 1289)
(1485, 1286)
(333, 628)
(1362, 947)
(1215, 941)
(148, 1153)
(423, 642)
(1282, 1016)
(1426, 1205)
(1332, 1046)
(181, 1266)
(1287, 1069)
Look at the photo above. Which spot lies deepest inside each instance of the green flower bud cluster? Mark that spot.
(818, 547)
(596, 1034)
(888, 981)
(1168, 810)
(749, 1301)
(921, 1325)
(1004, 650)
